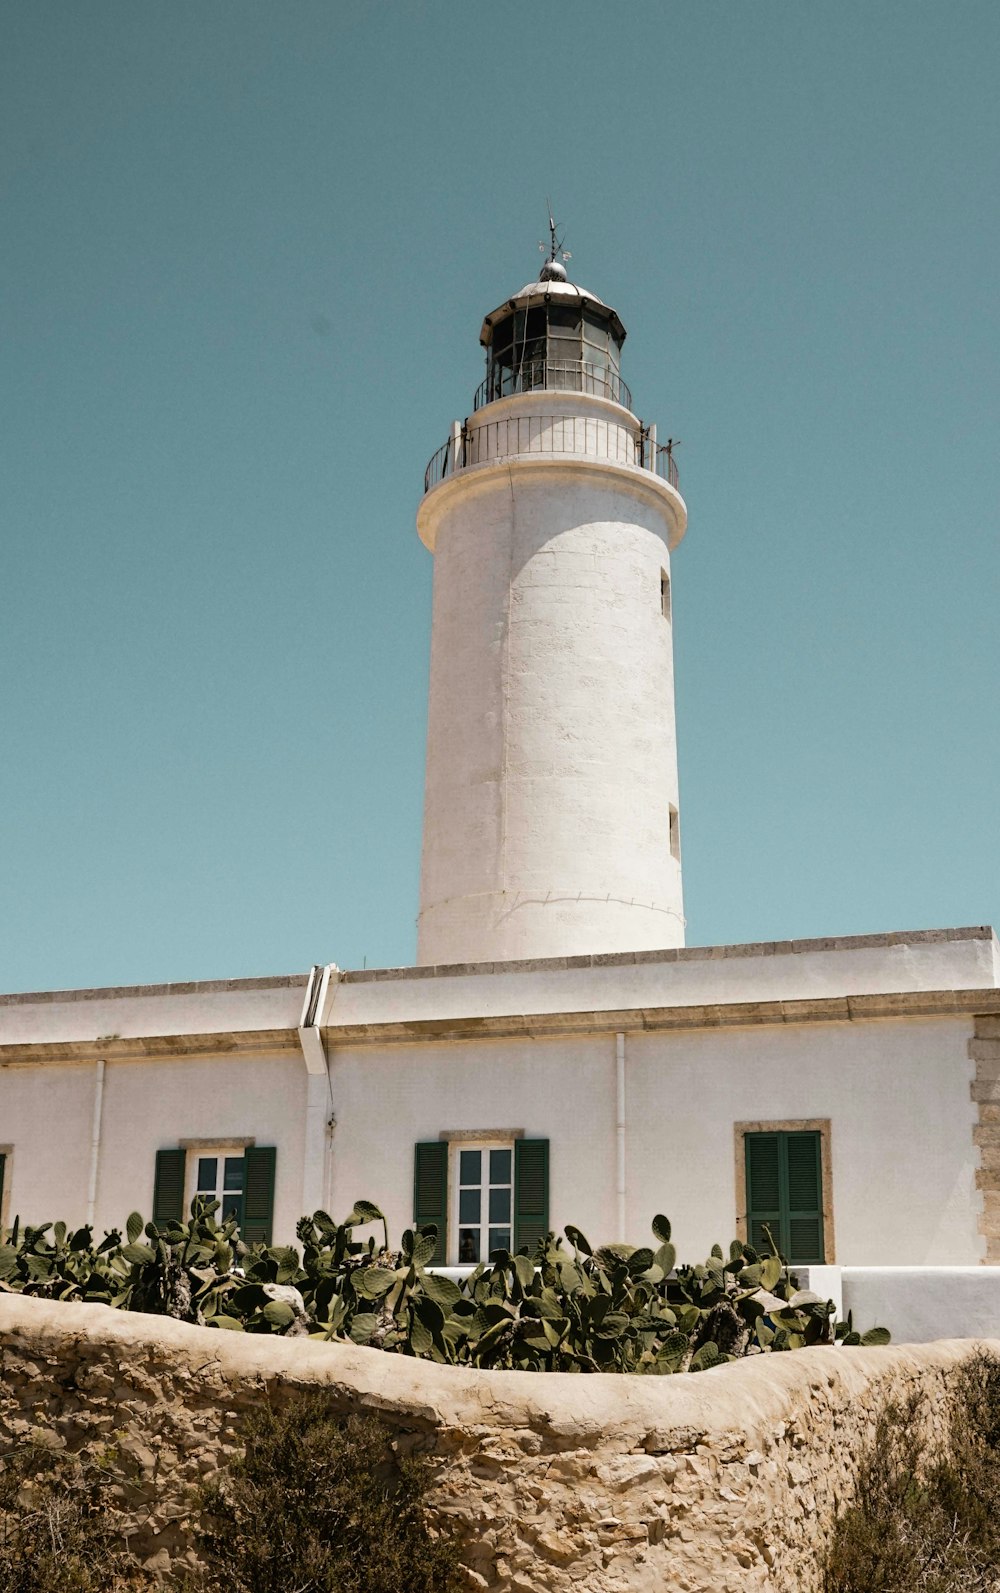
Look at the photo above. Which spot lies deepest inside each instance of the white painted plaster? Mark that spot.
(389, 1098)
(897, 1096)
(703, 976)
(784, 971)
(46, 1115)
(896, 1092)
(551, 751)
(166, 1010)
(146, 1106)
(920, 1304)
(315, 1141)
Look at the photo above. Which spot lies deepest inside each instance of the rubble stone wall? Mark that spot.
(722, 1481)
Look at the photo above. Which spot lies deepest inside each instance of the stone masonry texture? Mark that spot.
(984, 1049)
(722, 1481)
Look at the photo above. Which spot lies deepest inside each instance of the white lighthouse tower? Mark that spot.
(551, 824)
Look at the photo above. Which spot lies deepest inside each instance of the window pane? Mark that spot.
(499, 1239)
(208, 1173)
(536, 325)
(470, 1167)
(468, 1246)
(564, 317)
(233, 1173)
(469, 1206)
(499, 1205)
(503, 334)
(232, 1206)
(500, 1166)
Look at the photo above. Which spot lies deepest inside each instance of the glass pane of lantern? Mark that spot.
(503, 334)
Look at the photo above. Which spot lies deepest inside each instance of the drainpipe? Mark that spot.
(319, 1100)
(620, 1133)
(313, 1013)
(95, 1142)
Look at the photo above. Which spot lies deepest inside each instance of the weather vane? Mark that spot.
(555, 244)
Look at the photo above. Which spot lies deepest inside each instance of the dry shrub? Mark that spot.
(320, 1504)
(59, 1529)
(923, 1522)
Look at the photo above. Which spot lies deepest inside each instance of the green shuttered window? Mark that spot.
(3, 1171)
(784, 1175)
(168, 1187)
(531, 1192)
(259, 1162)
(258, 1194)
(482, 1195)
(430, 1193)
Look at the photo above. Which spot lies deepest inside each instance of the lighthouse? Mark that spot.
(551, 812)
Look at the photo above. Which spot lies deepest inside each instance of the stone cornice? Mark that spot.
(739, 1014)
(152, 1047)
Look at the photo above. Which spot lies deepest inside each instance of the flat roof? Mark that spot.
(621, 959)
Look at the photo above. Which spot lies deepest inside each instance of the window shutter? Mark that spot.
(258, 1194)
(3, 1169)
(531, 1192)
(763, 1167)
(430, 1193)
(168, 1187)
(805, 1197)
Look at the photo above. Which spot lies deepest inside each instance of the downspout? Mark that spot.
(319, 1096)
(620, 1133)
(95, 1142)
(313, 1013)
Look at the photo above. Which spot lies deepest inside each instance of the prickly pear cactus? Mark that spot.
(568, 1308)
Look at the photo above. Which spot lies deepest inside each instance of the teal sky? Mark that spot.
(246, 249)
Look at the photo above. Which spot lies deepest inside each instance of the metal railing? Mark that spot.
(551, 434)
(554, 376)
(665, 464)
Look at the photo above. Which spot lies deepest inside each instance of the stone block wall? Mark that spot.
(722, 1481)
(984, 1049)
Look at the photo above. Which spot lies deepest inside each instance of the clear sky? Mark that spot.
(246, 249)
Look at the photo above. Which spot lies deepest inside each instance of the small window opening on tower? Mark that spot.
(665, 594)
(675, 833)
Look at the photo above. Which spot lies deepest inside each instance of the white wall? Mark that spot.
(896, 1092)
(47, 1113)
(897, 1095)
(387, 1098)
(693, 976)
(920, 1304)
(551, 747)
(211, 1007)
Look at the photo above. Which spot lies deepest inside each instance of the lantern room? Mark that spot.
(554, 335)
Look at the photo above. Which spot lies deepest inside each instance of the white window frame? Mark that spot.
(484, 1143)
(220, 1149)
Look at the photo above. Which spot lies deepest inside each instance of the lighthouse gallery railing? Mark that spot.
(550, 434)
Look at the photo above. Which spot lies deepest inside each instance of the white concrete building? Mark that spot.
(557, 1055)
